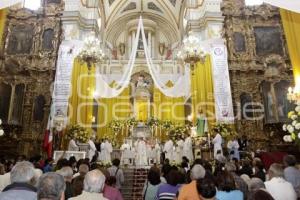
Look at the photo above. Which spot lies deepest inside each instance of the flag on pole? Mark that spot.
(48, 135)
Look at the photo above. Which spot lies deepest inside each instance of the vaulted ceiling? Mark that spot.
(170, 10)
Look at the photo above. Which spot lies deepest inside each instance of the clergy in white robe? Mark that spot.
(73, 146)
(141, 153)
(233, 148)
(106, 150)
(179, 150)
(157, 153)
(188, 148)
(168, 149)
(126, 153)
(92, 149)
(217, 142)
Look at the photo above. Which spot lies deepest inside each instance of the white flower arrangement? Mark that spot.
(293, 128)
(91, 51)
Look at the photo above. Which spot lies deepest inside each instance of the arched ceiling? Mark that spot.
(115, 9)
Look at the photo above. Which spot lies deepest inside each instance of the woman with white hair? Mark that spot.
(93, 186)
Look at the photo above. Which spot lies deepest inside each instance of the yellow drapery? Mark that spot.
(291, 25)
(118, 108)
(202, 90)
(81, 99)
(142, 109)
(3, 13)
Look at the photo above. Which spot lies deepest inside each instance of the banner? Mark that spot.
(222, 90)
(68, 50)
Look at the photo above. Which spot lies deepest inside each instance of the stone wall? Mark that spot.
(257, 54)
(29, 57)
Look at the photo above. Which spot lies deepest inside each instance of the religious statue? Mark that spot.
(141, 83)
(188, 148)
(217, 141)
(141, 152)
(157, 151)
(168, 149)
(202, 126)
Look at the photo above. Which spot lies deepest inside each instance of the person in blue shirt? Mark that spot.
(227, 187)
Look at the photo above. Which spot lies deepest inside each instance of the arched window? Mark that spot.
(5, 95)
(48, 36)
(38, 111)
(246, 106)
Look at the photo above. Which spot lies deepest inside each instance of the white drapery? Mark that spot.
(181, 85)
(8, 3)
(292, 5)
(103, 89)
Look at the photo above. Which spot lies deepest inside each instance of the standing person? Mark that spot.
(217, 141)
(117, 173)
(106, 150)
(152, 184)
(20, 188)
(126, 151)
(168, 149)
(94, 182)
(92, 148)
(277, 186)
(233, 149)
(291, 173)
(72, 145)
(179, 150)
(157, 148)
(188, 148)
(141, 153)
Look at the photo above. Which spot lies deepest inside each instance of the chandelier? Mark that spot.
(293, 95)
(191, 51)
(91, 52)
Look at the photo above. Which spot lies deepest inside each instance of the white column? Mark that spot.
(129, 41)
(133, 38)
(150, 43)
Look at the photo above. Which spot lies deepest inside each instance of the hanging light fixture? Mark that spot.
(91, 52)
(191, 51)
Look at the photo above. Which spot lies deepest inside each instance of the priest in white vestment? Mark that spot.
(92, 149)
(73, 146)
(106, 150)
(157, 152)
(141, 153)
(188, 148)
(217, 142)
(179, 150)
(168, 149)
(126, 153)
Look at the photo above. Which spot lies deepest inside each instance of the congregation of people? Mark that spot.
(223, 179)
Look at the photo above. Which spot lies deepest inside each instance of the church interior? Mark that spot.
(147, 80)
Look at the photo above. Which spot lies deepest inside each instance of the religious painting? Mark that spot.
(283, 105)
(48, 36)
(269, 102)
(5, 95)
(268, 40)
(246, 106)
(18, 104)
(38, 110)
(21, 39)
(239, 42)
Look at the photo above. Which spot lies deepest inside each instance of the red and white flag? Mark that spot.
(48, 136)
